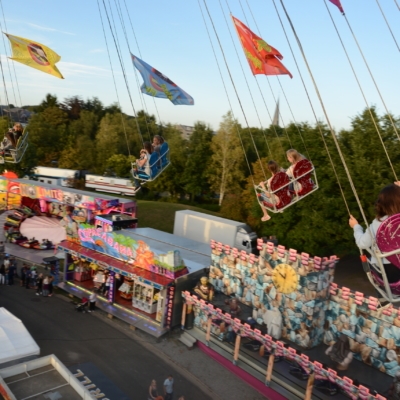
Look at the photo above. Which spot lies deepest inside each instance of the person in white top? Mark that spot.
(387, 204)
(169, 388)
(92, 301)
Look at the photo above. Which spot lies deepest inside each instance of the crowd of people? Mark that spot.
(29, 276)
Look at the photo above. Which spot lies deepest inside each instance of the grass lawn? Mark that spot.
(160, 215)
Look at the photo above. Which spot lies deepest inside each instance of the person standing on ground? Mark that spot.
(28, 273)
(107, 283)
(23, 275)
(2, 274)
(7, 267)
(153, 390)
(45, 286)
(51, 279)
(11, 273)
(169, 388)
(2, 249)
(92, 300)
(39, 284)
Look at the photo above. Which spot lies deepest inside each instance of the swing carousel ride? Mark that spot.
(279, 305)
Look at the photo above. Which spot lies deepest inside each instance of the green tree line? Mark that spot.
(223, 166)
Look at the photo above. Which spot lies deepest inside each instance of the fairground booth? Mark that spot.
(136, 273)
(278, 313)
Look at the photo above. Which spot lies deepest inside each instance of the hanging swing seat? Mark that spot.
(158, 163)
(279, 196)
(303, 172)
(285, 191)
(14, 156)
(387, 246)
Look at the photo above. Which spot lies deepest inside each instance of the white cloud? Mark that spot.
(47, 29)
(78, 69)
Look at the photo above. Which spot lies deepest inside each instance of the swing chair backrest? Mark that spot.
(388, 239)
(280, 187)
(153, 162)
(164, 154)
(302, 174)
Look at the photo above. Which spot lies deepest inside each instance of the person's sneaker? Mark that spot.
(37, 294)
(137, 189)
(89, 310)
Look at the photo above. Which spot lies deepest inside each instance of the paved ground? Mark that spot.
(130, 359)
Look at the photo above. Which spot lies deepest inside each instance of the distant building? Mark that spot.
(186, 131)
(16, 114)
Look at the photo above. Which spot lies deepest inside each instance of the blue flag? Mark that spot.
(158, 85)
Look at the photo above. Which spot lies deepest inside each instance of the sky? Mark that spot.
(194, 43)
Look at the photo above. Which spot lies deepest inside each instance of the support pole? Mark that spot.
(310, 385)
(271, 361)
(183, 316)
(208, 334)
(237, 347)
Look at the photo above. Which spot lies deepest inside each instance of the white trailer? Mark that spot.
(110, 184)
(56, 176)
(204, 227)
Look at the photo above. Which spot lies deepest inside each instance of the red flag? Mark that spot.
(338, 5)
(262, 58)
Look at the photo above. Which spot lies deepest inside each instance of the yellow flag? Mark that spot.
(35, 55)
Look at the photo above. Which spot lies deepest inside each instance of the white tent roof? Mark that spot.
(43, 228)
(16, 341)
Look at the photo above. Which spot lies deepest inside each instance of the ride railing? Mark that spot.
(276, 348)
(377, 275)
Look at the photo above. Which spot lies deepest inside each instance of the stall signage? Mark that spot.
(128, 249)
(58, 195)
(109, 243)
(110, 296)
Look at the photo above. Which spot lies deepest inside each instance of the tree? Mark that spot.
(47, 135)
(49, 101)
(119, 164)
(198, 158)
(225, 171)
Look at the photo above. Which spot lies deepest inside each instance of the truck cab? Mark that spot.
(246, 240)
